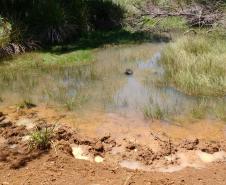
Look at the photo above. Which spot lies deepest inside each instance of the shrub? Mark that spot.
(5, 31)
(56, 21)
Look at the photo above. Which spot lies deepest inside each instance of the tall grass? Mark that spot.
(196, 65)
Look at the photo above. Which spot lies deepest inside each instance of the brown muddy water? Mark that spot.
(104, 100)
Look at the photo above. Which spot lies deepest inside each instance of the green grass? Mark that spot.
(154, 112)
(199, 110)
(166, 23)
(41, 139)
(196, 65)
(219, 110)
(51, 58)
(25, 104)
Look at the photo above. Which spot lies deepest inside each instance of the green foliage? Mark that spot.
(219, 110)
(57, 21)
(165, 24)
(5, 30)
(196, 65)
(25, 104)
(38, 59)
(199, 110)
(154, 112)
(41, 139)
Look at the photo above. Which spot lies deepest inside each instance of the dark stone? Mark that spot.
(128, 72)
(99, 147)
(5, 123)
(2, 118)
(104, 138)
(131, 146)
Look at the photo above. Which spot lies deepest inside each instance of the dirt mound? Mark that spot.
(16, 151)
(66, 143)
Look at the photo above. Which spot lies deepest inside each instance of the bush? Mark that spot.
(56, 21)
(5, 31)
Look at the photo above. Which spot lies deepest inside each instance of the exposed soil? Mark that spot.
(167, 161)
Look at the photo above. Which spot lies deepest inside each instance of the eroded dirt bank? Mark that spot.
(165, 161)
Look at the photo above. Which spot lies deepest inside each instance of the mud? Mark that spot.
(16, 148)
(168, 155)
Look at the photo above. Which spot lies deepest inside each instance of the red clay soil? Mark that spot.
(63, 169)
(19, 165)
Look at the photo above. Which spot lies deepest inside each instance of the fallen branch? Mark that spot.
(195, 14)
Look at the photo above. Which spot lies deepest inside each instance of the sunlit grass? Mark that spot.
(41, 139)
(196, 65)
(34, 59)
(165, 24)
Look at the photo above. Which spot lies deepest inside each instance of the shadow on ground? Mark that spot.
(100, 39)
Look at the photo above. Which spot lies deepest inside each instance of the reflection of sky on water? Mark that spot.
(134, 95)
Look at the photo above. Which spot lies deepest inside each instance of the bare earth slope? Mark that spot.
(21, 165)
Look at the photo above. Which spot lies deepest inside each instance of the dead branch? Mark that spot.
(195, 14)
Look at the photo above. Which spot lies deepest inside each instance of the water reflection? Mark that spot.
(103, 85)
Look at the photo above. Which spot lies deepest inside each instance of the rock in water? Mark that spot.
(128, 72)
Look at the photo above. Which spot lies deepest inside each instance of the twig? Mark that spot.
(127, 180)
(54, 146)
(158, 138)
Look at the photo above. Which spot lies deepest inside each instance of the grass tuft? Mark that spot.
(154, 112)
(26, 104)
(41, 139)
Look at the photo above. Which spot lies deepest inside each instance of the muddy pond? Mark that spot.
(105, 100)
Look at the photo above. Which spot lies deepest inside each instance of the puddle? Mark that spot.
(102, 86)
(103, 99)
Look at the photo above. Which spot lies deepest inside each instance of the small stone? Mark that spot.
(17, 163)
(99, 159)
(99, 147)
(131, 146)
(3, 156)
(5, 123)
(2, 118)
(53, 179)
(128, 72)
(104, 138)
